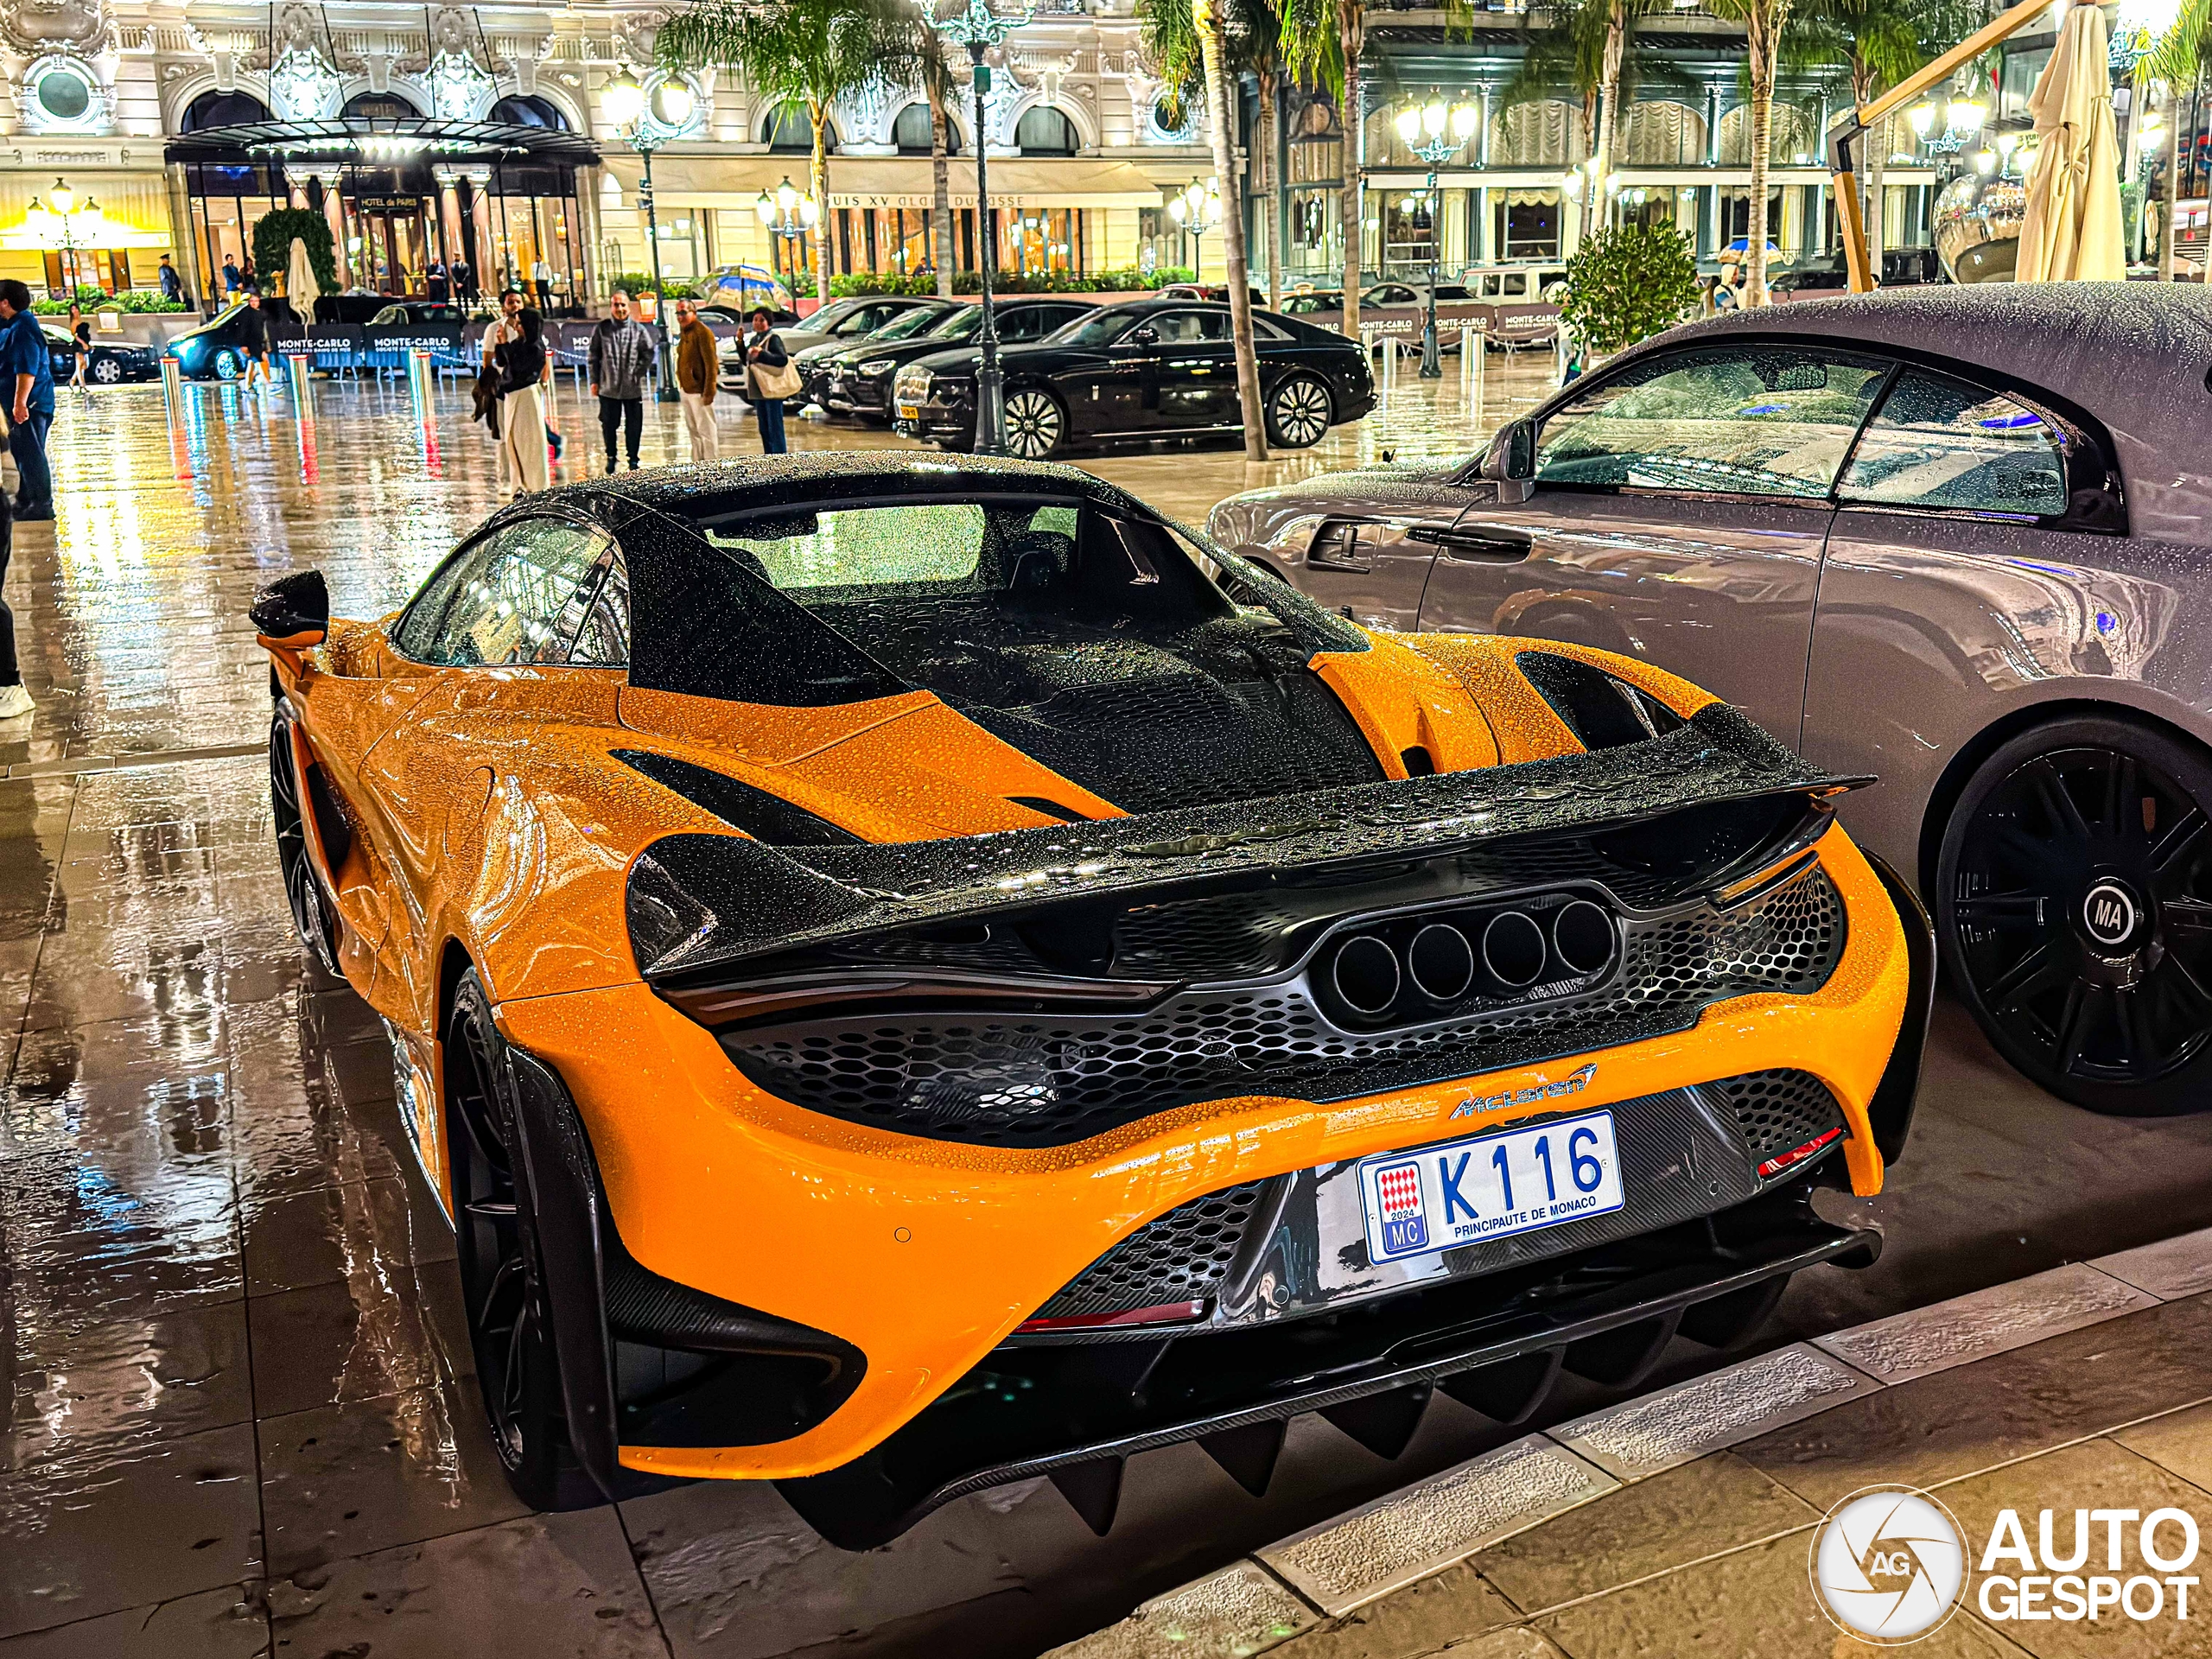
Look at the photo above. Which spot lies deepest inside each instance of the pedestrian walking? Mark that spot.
(769, 379)
(15, 701)
(521, 407)
(81, 338)
(698, 365)
(26, 369)
(498, 334)
(253, 340)
(172, 284)
(620, 362)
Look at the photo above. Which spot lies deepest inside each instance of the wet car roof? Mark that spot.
(2135, 355)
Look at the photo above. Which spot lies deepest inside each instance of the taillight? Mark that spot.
(1164, 1314)
(1776, 1166)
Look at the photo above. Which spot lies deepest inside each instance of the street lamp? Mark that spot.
(647, 125)
(63, 203)
(787, 213)
(979, 28)
(1196, 208)
(1434, 132)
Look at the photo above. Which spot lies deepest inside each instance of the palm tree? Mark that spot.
(1763, 21)
(809, 52)
(2176, 59)
(1181, 37)
(1880, 42)
(1321, 42)
(933, 69)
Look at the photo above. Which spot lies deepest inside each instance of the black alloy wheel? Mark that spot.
(313, 915)
(1298, 412)
(229, 366)
(1034, 424)
(2073, 904)
(502, 1279)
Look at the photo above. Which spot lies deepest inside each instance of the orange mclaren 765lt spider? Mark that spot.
(911, 973)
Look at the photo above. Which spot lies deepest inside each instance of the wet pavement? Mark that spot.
(239, 1416)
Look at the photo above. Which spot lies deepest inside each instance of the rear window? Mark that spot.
(928, 545)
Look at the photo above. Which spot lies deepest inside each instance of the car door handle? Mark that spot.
(1481, 544)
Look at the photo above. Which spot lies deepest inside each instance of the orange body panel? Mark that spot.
(489, 820)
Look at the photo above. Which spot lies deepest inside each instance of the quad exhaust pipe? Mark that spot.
(1415, 965)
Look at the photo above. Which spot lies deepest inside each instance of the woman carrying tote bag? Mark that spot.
(770, 379)
(521, 407)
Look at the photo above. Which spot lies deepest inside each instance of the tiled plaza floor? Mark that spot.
(236, 1413)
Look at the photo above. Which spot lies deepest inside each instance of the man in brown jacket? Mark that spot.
(698, 365)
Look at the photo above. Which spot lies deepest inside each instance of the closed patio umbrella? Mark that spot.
(300, 285)
(2072, 229)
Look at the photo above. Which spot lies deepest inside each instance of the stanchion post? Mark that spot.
(418, 380)
(173, 390)
(302, 398)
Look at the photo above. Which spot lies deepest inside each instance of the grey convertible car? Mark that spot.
(1955, 537)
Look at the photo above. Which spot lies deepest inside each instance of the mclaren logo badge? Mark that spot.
(1571, 1084)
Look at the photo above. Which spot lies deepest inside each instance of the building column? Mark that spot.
(1478, 244)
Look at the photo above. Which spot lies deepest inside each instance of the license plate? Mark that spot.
(909, 412)
(1489, 1187)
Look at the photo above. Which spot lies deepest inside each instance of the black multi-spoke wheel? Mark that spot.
(501, 1277)
(1034, 424)
(2074, 899)
(313, 913)
(1298, 412)
(229, 366)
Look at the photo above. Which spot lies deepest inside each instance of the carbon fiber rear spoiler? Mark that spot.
(705, 901)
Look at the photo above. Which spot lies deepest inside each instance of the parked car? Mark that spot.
(813, 362)
(844, 321)
(112, 365)
(214, 351)
(416, 314)
(1955, 537)
(1147, 369)
(854, 381)
(872, 946)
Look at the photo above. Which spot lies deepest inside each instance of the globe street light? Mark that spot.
(645, 123)
(1434, 133)
(979, 28)
(1196, 209)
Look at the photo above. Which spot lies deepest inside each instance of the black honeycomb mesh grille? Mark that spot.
(1778, 1111)
(1181, 1257)
(1036, 1080)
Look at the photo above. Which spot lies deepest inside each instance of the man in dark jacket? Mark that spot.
(26, 371)
(172, 284)
(253, 340)
(620, 364)
(698, 367)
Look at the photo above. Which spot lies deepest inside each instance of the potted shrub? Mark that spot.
(1627, 284)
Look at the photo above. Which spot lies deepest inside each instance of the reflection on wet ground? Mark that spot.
(239, 1415)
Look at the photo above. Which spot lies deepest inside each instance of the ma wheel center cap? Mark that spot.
(2111, 914)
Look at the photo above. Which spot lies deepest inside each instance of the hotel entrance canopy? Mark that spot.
(381, 143)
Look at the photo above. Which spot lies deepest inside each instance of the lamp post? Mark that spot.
(979, 28)
(1196, 209)
(645, 130)
(60, 204)
(1433, 132)
(789, 216)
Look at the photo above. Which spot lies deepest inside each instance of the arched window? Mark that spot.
(1044, 131)
(222, 110)
(787, 131)
(910, 132)
(1544, 133)
(1661, 133)
(1791, 137)
(373, 107)
(528, 111)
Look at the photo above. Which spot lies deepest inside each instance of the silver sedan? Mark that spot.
(1955, 537)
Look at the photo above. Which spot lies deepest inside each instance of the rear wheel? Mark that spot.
(107, 371)
(1035, 424)
(1298, 412)
(228, 365)
(313, 915)
(502, 1276)
(2073, 904)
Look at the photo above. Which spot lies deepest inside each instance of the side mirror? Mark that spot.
(292, 611)
(1144, 334)
(1510, 460)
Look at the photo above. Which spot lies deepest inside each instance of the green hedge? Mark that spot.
(1127, 280)
(635, 282)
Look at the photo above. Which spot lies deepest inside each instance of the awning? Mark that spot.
(889, 180)
(381, 144)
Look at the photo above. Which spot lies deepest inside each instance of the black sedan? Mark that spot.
(813, 361)
(216, 349)
(854, 381)
(112, 365)
(1135, 373)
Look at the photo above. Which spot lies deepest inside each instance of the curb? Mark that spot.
(1346, 1563)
